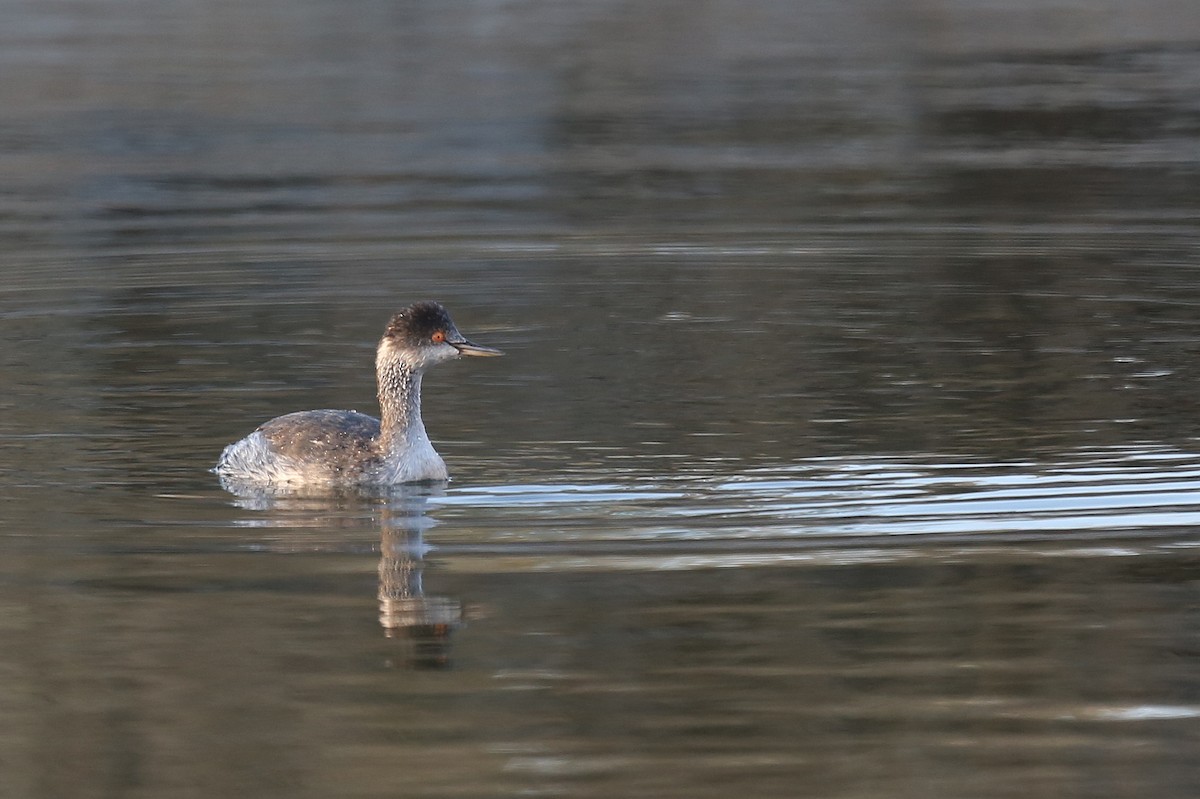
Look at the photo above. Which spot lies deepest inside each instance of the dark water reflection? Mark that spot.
(846, 445)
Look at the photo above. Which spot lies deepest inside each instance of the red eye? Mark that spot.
(438, 337)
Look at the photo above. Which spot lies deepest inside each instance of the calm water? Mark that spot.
(846, 445)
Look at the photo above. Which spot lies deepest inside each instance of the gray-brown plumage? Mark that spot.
(332, 448)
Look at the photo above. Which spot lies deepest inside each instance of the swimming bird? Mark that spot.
(332, 448)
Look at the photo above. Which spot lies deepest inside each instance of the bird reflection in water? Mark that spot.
(425, 624)
(405, 612)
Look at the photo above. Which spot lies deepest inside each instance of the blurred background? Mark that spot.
(845, 444)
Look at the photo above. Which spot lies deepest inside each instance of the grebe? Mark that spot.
(328, 448)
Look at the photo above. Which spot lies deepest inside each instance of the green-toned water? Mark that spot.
(845, 445)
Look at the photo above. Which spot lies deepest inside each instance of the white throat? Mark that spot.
(405, 449)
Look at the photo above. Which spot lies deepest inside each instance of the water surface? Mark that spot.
(845, 445)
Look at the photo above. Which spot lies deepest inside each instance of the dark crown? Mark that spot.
(416, 323)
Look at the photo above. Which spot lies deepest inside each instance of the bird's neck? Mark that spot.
(400, 422)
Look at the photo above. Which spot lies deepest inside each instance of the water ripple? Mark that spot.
(872, 503)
